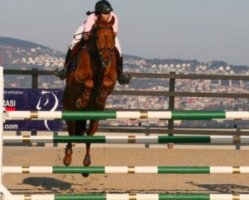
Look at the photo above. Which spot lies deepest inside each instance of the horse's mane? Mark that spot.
(103, 23)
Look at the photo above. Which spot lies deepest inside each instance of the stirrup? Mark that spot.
(62, 74)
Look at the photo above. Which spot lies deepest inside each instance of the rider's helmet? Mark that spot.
(103, 7)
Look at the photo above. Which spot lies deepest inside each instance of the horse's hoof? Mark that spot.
(85, 175)
(67, 160)
(87, 161)
(170, 145)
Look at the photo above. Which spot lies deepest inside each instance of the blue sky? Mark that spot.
(205, 30)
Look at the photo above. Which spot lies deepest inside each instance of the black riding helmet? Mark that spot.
(103, 7)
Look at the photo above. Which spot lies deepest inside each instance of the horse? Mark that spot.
(93, 80)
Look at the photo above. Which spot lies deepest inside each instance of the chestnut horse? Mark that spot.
(88, 87)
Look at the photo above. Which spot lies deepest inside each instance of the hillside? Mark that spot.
(19, 54)
(16, 54)
(12, 42)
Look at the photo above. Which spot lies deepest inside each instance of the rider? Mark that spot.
(82, 35)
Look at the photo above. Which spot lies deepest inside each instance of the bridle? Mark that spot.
(105, 62)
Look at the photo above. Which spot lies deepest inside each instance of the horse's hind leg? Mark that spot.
(67, 160)
(68, 150)
(80, 129)
(93, 126)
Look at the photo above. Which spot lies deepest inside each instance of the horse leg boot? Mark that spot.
(122, 78)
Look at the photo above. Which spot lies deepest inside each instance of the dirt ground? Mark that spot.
(128, 183)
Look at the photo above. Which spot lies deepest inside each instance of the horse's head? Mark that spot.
(104, 39)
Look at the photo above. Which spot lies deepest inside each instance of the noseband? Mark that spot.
(106, 61)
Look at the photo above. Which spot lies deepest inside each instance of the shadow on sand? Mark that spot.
(223, 188)
(47, 183)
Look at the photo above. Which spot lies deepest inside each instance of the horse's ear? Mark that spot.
(112, 20)
(98, 20)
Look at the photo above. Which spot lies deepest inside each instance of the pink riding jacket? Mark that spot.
(91, 19)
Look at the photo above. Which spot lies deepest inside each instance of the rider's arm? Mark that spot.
(89, 22)
(115, 25)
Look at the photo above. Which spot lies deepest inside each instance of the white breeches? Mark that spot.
(78, 35)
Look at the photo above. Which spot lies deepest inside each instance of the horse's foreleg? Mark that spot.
(102, 97)
(85, 96)
(108, 83)
(84, 77)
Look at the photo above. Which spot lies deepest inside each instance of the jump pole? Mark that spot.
(103, 115)
(131, 139)
(126, 170)
(135, 197)
(3, 190)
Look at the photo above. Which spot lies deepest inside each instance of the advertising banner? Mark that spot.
(32, 100)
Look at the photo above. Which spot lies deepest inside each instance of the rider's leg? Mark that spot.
(62, 73)
(71, 53)
(121, 77)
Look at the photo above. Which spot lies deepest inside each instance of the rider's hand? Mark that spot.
(86, 35)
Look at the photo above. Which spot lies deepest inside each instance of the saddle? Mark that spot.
(75, 53)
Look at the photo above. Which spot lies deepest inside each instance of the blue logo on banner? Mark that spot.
(33, 100)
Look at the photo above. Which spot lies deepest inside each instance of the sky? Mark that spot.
(205, 30)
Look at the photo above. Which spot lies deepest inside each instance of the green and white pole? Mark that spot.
(126, 169)
(101, 115)
(131, 139)
(134, 197)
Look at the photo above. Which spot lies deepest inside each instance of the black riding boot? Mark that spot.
(63, 73)
(122, 78)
